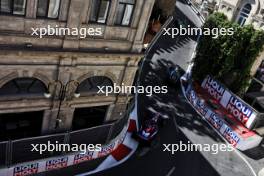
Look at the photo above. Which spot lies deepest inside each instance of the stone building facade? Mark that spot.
(31, 66)
(243, 12)
(240, 11)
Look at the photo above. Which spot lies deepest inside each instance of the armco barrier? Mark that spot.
(21, 149)
(114, 152)
(231, 133)
(48, 164)
(3, 150)
(96, 135)
(118, 127)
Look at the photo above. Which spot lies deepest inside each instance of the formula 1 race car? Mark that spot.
(150, 129)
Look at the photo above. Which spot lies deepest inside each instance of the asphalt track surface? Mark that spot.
(154, 161)
(185, 125)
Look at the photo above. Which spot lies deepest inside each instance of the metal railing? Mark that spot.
(18, 151)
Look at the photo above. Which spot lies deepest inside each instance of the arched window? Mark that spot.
(91, 84)
(21, 87)
(244, 14)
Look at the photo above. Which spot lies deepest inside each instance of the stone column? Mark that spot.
(112, 13)
(31, 8)
(49, 121)
(142, 26)
(119, 108)
(66, 117)
(73, 21)
(109, 112)
(64, 6)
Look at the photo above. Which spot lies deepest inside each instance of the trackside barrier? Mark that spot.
(90, 136)
(48, 164)
(3, 149)
(21, 149)
(125, 148)
(236, 134)
(239, 109)
(194, 8)
(114, 151)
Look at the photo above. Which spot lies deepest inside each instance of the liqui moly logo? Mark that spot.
(83, 157)
(106, 150)
(231, 136)
(216, 121)
(56, 163)
(201, 107)
(239, 109)
(213, 88)
(26, 170)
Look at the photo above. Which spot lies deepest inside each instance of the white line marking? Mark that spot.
(171, 171)
(176, 125)
(245, 160)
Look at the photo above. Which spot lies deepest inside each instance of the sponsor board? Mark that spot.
(198, 103)
(213, 118)
(234, 105)
(192, 96)
(26, 169)
(241, 143)
(231, 136)
(106, 150)
(214, 88)
(56, 163)
(240, 110)
(216, 121)
(201, 107)
(83, 157)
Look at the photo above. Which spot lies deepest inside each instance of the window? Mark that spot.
(124, 12)
(244, 14)
(88, 117)
(13, 7)
(48, 8)
(90, 85)
(99, 11)
(20, 125)
(22, 87)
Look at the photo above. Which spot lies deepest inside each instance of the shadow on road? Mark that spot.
(173, 103)
(256, 153)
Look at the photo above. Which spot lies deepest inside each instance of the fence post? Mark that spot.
(110, 133)
(9, 153)
(66, 139)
